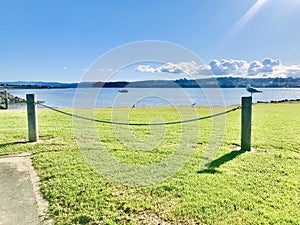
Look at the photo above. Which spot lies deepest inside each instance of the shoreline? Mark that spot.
(145, 107)
(133, 87)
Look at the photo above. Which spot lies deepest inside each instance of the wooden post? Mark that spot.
(6, 99)
(32, 117)
(246, 123)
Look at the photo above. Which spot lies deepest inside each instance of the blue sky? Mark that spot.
(57, 40)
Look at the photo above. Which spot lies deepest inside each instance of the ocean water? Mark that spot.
(145, 97)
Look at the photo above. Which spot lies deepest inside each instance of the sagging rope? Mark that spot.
(140, 124)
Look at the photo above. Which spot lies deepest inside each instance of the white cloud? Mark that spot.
(146, 68)
(271, 62)
(228, 67)
(190, 68)
(289, 71)
(236, 68)
(267, 66)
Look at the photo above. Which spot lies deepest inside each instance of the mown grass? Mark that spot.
(259, 187)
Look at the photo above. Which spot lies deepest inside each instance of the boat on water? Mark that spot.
(123, 90)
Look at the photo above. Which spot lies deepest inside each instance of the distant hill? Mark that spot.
(36, 84)
(223, 82)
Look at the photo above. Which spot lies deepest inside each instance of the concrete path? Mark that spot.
(20, 200)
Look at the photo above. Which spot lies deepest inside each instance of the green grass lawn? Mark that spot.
(258, 187)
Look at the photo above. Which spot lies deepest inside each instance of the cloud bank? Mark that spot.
(235, 68)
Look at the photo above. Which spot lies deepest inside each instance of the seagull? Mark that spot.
(252, 90)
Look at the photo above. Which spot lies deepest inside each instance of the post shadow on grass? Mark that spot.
(220, 161)
(13, 143)
(246, 119)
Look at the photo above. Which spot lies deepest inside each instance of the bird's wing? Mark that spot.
(251, 89)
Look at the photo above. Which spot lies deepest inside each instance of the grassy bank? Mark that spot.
(260, 187)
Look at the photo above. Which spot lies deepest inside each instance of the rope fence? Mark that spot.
(139, 124)
(246, 118)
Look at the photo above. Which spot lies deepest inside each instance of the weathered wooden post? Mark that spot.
(246, 123)
(6, 99)
(32, 117)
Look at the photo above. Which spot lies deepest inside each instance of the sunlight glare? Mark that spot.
(247, 17)
(241, 23)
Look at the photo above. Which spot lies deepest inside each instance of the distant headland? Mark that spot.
(222, 82)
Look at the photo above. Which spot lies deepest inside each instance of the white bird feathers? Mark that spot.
(252, 90)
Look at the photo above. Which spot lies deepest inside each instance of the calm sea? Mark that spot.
(143, 97)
